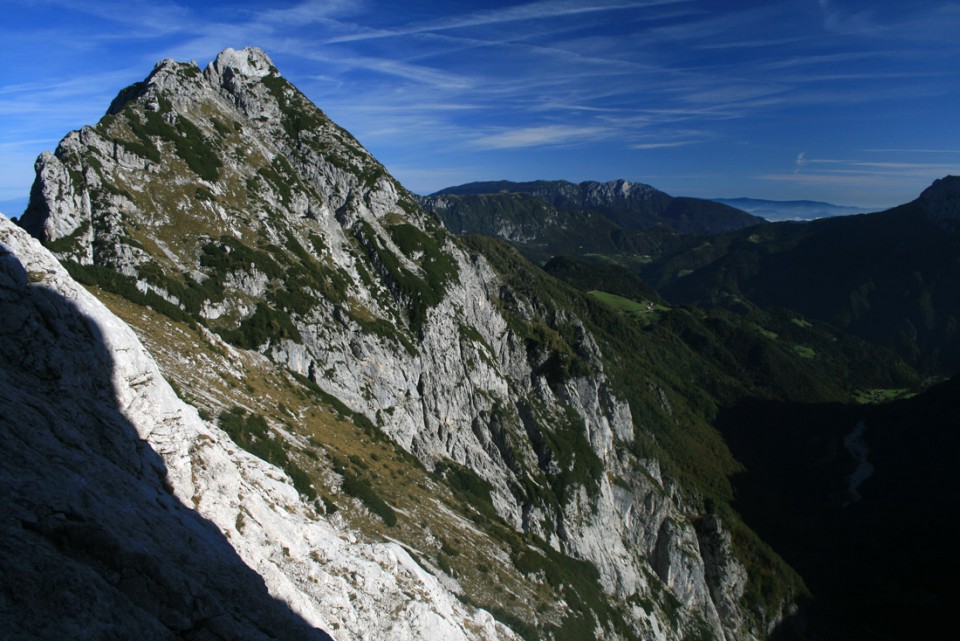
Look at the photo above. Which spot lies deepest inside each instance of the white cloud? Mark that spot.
(538, 11)
(800, 162)
(147, 17)
(914, 151)
(663, 145)
(311, 12)
(540, 137)
(821, 171)
(829, 179)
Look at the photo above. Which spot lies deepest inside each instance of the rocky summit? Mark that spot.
(281, 365)
(941, 201)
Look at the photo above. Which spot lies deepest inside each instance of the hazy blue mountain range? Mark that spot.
(777, 210)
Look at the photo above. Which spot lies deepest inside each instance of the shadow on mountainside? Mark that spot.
(862, 501)
(93, 545)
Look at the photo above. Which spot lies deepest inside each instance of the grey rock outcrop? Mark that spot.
(125, 514)
(95, 542)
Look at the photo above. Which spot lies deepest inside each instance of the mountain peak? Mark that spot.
(941, 200)
(249, 61)
(229, 204)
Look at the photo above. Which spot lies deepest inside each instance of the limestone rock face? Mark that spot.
(597, 194)
(223, 198)
(126, 515)
(54, 187)
(250, 62)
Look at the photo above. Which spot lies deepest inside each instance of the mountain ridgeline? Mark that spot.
(546, 218)
(884, 277)
(628, 205)
(501, 455)
(888, 277)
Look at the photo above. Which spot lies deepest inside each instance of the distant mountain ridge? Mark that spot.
(777, 210)
(549, 218)
(628, 204)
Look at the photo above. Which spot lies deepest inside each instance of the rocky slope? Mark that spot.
(127, 514)
(287, 284)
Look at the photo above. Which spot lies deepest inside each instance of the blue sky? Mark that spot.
(853, 102)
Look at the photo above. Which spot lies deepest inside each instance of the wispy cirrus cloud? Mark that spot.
(848, 166)
(63, 88)
(840, 20)
(311, 12)
(891, 21)
(147, 18)
(547, 135)
(874, 182)
(664, 145)
(826, 179)
(913, 151)
(631, 83)
(800, 162)
(539, 11)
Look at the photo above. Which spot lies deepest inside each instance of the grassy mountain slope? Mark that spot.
(885, 277)
(787, 394)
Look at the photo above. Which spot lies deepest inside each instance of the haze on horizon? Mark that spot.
(850, 102)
